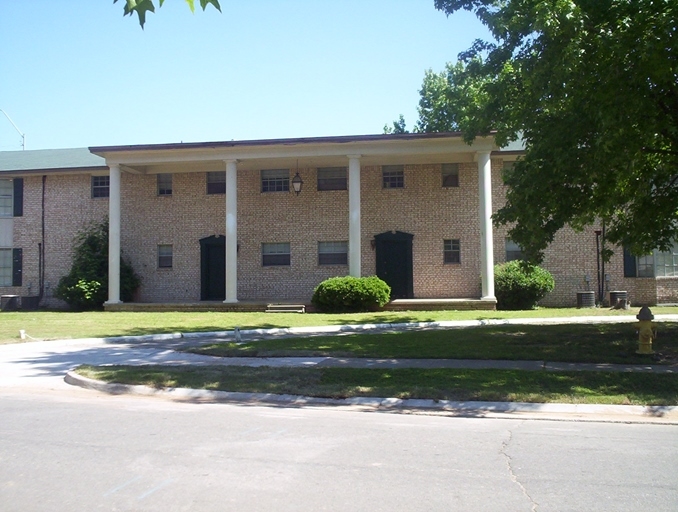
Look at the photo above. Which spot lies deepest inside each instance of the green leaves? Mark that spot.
(591, 87)
(141, 7)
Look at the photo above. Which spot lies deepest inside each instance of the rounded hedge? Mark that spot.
(351, 294)
(520, 285)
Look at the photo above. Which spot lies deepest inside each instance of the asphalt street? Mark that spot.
(82, 450)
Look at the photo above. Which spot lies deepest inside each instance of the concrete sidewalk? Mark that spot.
(43, 362)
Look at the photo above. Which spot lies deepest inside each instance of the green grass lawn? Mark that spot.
(439, 384)
(49, 325)
(603, 343)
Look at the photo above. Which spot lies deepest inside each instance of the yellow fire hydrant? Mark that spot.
(646, 331)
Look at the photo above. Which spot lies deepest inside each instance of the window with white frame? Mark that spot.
(275, 254)
(6, 267)
(275, 180)
(101, 186)
(450, 174)
(393, 176)
(165, 184)
(513, 251)
(333, 253)
(657, 264)
(332, 178)
(451, 251)
(165, 256)
(6, 198)
(216, 182)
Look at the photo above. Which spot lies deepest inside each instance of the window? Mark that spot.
(6, 198)
(10, 267)
(332, 178)
(393, 176)
(451, 251)
(275, 254)
(101, 186)
(216, 182)
(164, 256)
(275, 180)
(657, 264)
(450, 175)
(666, 263)
(332, 253)
(513, 251)
(5, 267)
(165, 184)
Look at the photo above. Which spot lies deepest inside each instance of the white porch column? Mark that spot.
(231, 231)
(354, 255)
(486, 245)
(114, 236)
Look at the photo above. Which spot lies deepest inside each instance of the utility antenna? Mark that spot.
(23, 137)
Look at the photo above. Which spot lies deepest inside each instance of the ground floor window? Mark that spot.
(513, 251)
(277, 254)
(165, 256)
(332, 253)
(10, 267)
(657, 264)
(451, 251)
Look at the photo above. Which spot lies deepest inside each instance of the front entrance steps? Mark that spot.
(285, 308)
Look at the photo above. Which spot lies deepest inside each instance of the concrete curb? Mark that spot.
(365, 328)
(546, 411)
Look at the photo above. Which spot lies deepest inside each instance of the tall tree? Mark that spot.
(141, 7)
(591, 87)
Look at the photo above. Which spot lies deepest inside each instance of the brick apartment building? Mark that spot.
(221, 221)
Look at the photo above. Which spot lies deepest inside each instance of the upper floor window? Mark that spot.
(275, 180)
(393, 176)
(332, 178)
(332, 253)
(451, 251)
(101, 186)
(6, 198)
(164, 184)
(513, 251)
(277, 254)
(450, 174)
(216, 182)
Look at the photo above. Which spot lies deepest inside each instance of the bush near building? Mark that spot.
(351, 294)
(520, 285)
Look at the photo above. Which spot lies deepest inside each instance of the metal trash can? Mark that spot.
(586, 299)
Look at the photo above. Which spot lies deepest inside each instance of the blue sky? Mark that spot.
(76, 73)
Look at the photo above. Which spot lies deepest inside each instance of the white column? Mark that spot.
(231, 231)
(486, 245)
(114, 236)
(354, 255)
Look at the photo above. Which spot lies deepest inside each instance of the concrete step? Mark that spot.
(285, 308)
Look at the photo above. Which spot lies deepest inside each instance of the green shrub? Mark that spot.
(86, 285)
(350, 294)
(520, 285)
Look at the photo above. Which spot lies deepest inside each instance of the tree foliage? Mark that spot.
(591, 87)
(141, 7)
(398, 126)
(86, 285)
